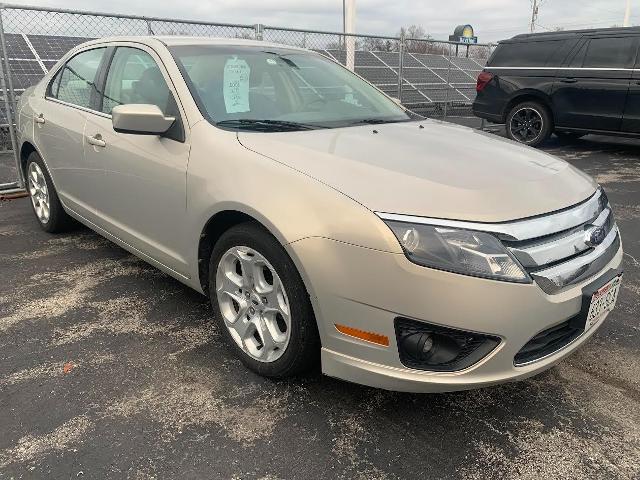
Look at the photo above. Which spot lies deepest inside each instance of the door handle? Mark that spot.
(96, 141)
(568, 80)
(40, 119)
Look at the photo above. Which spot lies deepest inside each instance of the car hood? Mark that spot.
(439, 170)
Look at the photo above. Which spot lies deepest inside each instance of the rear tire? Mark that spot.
(529, 123)
(261, 304)
(44, 199)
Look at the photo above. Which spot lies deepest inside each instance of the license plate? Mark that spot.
(603, 301)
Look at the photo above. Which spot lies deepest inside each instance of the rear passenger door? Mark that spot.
(59, 129)
(590, 92)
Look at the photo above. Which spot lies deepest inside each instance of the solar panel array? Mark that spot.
(427, 78)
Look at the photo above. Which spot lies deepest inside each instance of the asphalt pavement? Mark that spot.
(111, 369)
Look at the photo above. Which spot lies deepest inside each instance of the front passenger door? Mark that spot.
(142, 198)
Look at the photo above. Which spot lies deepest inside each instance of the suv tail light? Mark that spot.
(483, 79)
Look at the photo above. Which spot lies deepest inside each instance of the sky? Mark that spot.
(492, 19)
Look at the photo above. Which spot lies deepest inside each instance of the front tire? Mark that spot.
(260, 303)
(44, 199)
(529, 123)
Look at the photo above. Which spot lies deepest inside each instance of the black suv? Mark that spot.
(568, 83)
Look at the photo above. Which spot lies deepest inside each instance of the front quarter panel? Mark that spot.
(224, 175)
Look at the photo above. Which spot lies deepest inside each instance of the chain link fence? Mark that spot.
(432, 78)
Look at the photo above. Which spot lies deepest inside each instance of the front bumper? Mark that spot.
(367, 289)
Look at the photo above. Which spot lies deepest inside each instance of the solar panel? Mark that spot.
(421, 75)
(409, 61)
(432, 61)
(377, 75)
(412, 96)
(17, 47)
(367, 59)
(464, 63)
(53, 47)
(458, 76)
(25, 73)
(390, 58)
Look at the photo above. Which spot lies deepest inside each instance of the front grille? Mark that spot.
(547, 342)
(567, 256)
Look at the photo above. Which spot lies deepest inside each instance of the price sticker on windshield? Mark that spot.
(236, 85)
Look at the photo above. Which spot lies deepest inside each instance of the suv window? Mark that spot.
(527, 54)
(134, 77)
(75, 82)
(608, 52)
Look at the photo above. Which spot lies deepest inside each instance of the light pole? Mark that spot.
(349, 21)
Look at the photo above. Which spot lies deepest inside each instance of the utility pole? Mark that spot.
(627, 14)
(534, 14)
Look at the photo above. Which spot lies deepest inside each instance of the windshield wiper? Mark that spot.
(265, 125)
(376, 121)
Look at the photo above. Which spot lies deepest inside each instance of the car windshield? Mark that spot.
(279, 89)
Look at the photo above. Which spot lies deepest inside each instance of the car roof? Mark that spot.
(532, 37)
(170, 40)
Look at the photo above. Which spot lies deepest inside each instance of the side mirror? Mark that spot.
(141, 119)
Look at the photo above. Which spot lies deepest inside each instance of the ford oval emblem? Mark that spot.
(595, 236)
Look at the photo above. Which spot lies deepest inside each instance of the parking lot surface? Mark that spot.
(111, 369)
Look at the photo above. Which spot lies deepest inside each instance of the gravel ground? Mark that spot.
(111, 369)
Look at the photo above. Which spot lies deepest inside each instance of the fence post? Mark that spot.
(259, 31)
(446, 98)
(10, 101)
(401, 48)
(149, 29)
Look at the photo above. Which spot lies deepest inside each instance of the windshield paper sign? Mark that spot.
(236, 85)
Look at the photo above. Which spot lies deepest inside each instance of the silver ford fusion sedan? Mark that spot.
(324, 221)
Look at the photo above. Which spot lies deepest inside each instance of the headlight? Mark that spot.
(460, 251)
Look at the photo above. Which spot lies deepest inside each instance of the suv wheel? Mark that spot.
(44, 198)
(261, 304)
(529, 123)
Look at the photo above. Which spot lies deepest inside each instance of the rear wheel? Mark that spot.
(261, 304)
(529, 123)
(44, 198)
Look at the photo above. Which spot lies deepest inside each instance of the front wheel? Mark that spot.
(261, 304)
(529, 123)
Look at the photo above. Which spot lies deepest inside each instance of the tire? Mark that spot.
(44, 199)
(568, 136)
(260, 326)
(529, 123)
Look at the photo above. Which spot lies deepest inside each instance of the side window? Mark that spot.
(75, 82)
(608, 53)
(134, 77)
(526, 54)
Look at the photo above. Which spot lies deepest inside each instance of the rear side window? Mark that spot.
(527, 54)
(75, 82)
(608, 53)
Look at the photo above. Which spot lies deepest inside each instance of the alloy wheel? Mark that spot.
(254, 304)
(39, 192)
(526, 125)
